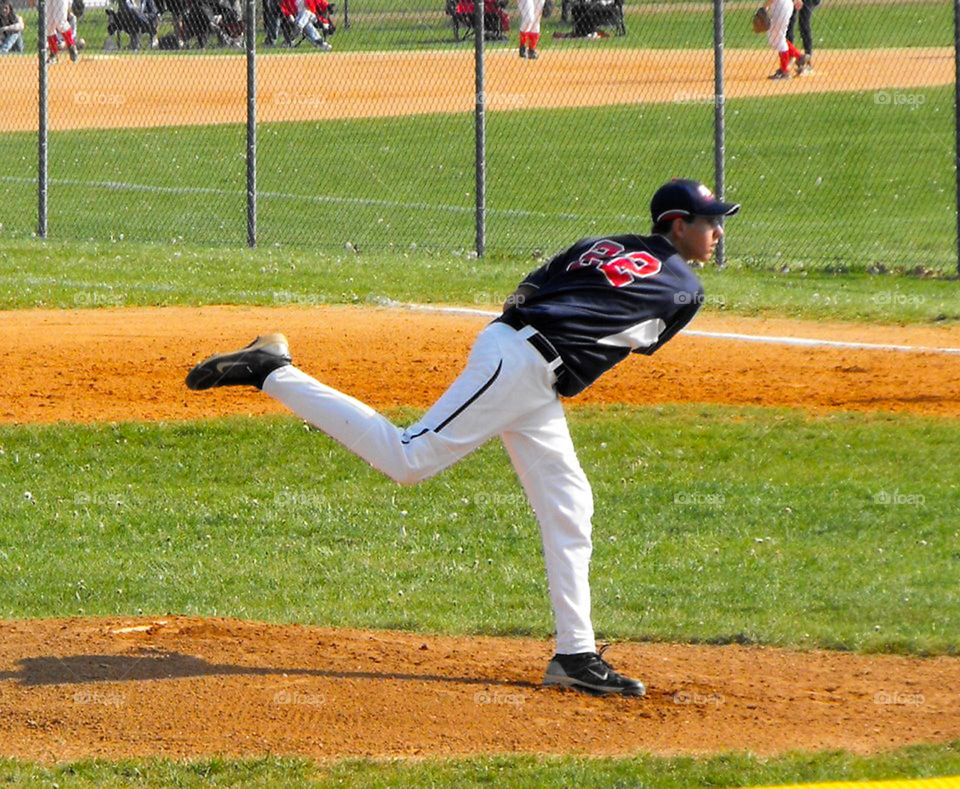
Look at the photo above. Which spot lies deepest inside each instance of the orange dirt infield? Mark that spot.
(127, 91)
(181, 687)
(129, 364)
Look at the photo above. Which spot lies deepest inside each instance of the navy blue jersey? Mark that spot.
(604, 298)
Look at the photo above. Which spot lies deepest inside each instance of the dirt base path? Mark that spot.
(111, 91)
(179, 687)
(129, 364)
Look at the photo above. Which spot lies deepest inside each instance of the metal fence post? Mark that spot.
(250, 22)
(42, 121)
(956, 115)
(719, 118)
(480, 124)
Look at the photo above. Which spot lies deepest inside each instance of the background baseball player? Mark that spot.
(306, 15)
(780, 11)
(567, 323)
(56, 19)
(274, 22)
(530, 13)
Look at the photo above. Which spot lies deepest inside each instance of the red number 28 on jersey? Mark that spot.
(619, 269)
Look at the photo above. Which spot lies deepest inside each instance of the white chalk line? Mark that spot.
(290, 298)
(125, 186)
(805, 342)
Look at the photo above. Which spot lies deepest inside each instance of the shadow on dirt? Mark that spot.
(149, 664)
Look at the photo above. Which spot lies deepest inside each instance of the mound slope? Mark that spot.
(187, 687)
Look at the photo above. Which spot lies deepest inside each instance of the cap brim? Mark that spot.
(720, 209)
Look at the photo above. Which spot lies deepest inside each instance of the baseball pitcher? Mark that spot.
(567, 323)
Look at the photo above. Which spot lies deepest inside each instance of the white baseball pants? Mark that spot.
(506, 389)
(780, 13)
(530, 13)
(56, 17)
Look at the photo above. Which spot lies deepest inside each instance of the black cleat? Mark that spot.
(247, 367)
(72, 49)
(778, 74)
(523, 51)
(588, 671)
(532, 54)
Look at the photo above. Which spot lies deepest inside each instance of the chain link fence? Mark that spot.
(365, 121)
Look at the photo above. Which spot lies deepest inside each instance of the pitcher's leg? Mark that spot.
(504, 378)
(546, 463)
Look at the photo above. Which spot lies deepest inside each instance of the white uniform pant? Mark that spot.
(56, 13)
(530, 13)
(304, 18)
(307, 21)
(780, 13)
(506, 389)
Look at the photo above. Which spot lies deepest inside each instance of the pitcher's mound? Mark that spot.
(183, 687)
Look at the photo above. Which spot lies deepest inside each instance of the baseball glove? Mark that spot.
(761, 20)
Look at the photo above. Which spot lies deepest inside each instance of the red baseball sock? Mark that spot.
(784, 60)
(52, 44)
(793, 51)
(534, 39)
(68, 38)
(523, 38)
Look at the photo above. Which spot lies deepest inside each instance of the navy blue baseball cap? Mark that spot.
(682, 197)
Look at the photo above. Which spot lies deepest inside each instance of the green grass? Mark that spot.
(644, 772)
(843, 197)
(712, 524)
(420, 24)
(61, 274)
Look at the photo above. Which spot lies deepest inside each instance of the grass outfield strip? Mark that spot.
(63, 274)
(712, 525)
(897, 211)
(521, 771)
